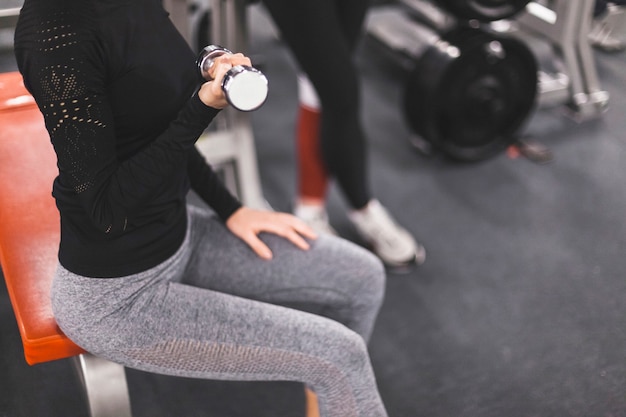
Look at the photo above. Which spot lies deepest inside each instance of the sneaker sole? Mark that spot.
(403, 267)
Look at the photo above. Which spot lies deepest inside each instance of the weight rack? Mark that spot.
(564, 24)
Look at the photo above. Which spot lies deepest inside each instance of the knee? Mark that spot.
(346, 350)
(360, 274)
(343, 366)
(373, 279)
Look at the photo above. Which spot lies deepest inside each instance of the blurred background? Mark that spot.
(499, 141)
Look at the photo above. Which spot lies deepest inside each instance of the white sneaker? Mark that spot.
(315, 216)
(602, 37)
(392, 243)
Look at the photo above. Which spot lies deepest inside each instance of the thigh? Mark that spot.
(334, 278)
(151, 323)
(211, 335)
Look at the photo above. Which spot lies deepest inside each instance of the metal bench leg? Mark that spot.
(105, 386)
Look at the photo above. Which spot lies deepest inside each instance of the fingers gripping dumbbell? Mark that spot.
(245, 87)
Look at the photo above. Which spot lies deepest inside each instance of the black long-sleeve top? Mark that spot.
(115, 82)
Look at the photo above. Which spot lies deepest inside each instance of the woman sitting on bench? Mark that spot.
(150, 282)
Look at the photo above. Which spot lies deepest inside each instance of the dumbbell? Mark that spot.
(245, 87)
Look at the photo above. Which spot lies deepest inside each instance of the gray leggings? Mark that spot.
(214, 310)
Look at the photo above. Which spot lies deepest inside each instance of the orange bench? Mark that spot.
(29, 239)
(30, 231)
(29, 236)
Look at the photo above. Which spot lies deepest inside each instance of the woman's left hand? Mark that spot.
(247, 223)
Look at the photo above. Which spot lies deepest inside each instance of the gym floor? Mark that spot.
(518, 311)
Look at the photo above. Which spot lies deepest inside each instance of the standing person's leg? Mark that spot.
(154, 322)
(312, 176)
(314, 31)
(352, 15)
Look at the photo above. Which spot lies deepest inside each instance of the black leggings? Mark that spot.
(322, 35)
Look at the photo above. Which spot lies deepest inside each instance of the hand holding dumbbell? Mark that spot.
(244, 87)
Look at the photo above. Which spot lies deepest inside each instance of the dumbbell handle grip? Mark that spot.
(207, 57)
(245, 87)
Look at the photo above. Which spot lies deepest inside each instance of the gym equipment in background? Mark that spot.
(228, 143)
(245, 87)
(470, 88)
(471, 92)
(566, 76)
(8, 17)
(573, 84)
(608, 29)
(483, 10)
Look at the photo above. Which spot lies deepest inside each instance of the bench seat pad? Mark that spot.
(29, 222)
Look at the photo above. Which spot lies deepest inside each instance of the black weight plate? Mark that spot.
(483, 10)
(469, 93)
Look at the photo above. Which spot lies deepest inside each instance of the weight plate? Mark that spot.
(470, 92)
(483, 10)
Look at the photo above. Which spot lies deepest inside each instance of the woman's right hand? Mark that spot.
(211, 93)
(247, 223)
